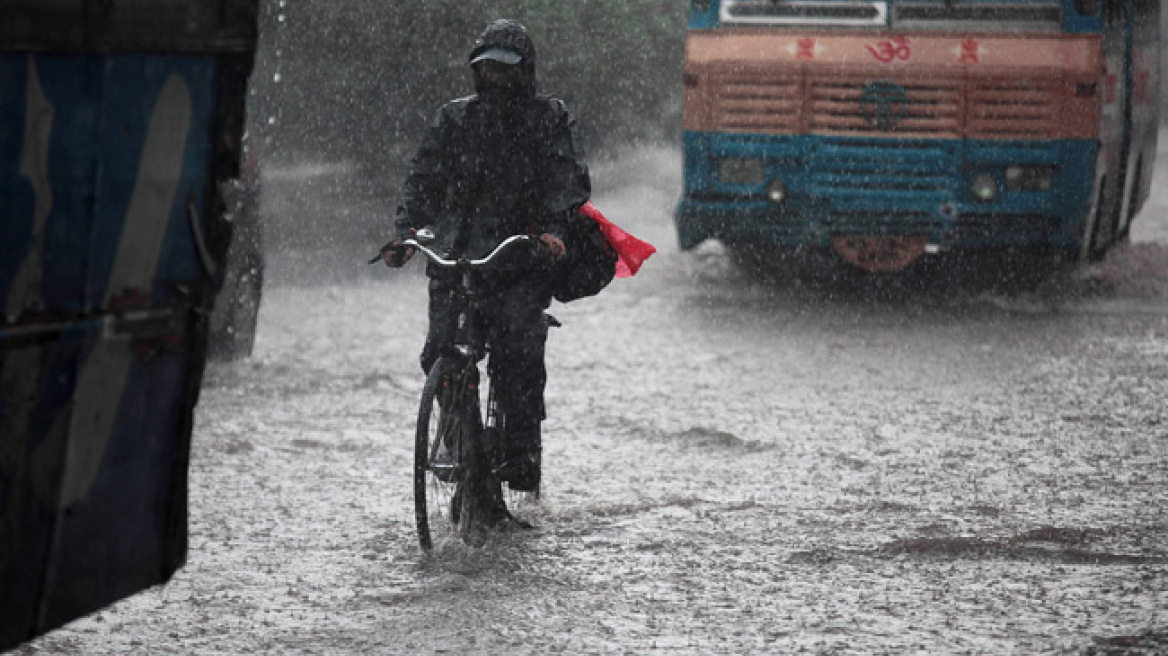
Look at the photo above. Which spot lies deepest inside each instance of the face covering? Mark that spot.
(498, 84)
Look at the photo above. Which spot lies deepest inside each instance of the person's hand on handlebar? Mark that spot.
(396, 254)
(552, 245)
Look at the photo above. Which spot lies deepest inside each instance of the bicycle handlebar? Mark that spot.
(450, 264)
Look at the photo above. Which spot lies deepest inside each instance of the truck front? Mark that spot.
(887, 128)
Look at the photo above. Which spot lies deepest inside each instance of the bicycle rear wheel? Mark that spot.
(446, 420)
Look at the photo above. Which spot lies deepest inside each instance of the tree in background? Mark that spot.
(358, 80)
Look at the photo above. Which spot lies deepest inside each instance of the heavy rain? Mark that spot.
(941, 461)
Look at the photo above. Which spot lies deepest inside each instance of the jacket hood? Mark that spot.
(509, 35)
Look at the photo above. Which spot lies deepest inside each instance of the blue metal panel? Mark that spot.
(52, 153)
(102, 159)
(126, 113)
(113, 540)
(98, 112)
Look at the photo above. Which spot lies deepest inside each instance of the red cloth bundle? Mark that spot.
(631, 252)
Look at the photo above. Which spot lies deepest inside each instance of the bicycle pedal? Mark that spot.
(445, 473)
(444, 466)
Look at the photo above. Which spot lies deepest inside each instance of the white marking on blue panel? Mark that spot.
(102, 379)
(25, 292)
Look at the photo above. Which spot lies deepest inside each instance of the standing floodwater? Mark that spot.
(731, 466)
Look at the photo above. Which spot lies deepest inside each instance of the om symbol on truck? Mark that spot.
(887, 51)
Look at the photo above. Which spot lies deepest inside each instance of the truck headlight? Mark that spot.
(776, 191)
(984, 187)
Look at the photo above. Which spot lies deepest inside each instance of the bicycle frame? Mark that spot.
(459, 336)
(460, 351)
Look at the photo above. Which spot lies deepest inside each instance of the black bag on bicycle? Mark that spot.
(589, 264)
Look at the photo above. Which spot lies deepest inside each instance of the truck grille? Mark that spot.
(855, 105)
(907, 173)
(759, 101)
(1012, 108)
(927, 107)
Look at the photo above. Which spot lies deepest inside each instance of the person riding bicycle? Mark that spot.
(503, 161)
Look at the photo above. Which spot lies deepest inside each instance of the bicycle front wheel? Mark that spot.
(448, 410)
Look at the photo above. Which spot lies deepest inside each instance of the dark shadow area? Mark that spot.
(1012, 549)
(1044, 277)
(1149, 643)
(1047, 544)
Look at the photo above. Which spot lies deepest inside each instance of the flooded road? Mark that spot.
(733, 466)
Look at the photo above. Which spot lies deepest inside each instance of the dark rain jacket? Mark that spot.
(495, 174)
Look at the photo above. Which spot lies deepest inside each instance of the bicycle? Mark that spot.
(455, 484)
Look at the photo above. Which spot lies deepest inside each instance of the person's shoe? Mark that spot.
(494, 508)
(521, 471)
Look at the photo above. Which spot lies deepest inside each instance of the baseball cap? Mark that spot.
(500, 55)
